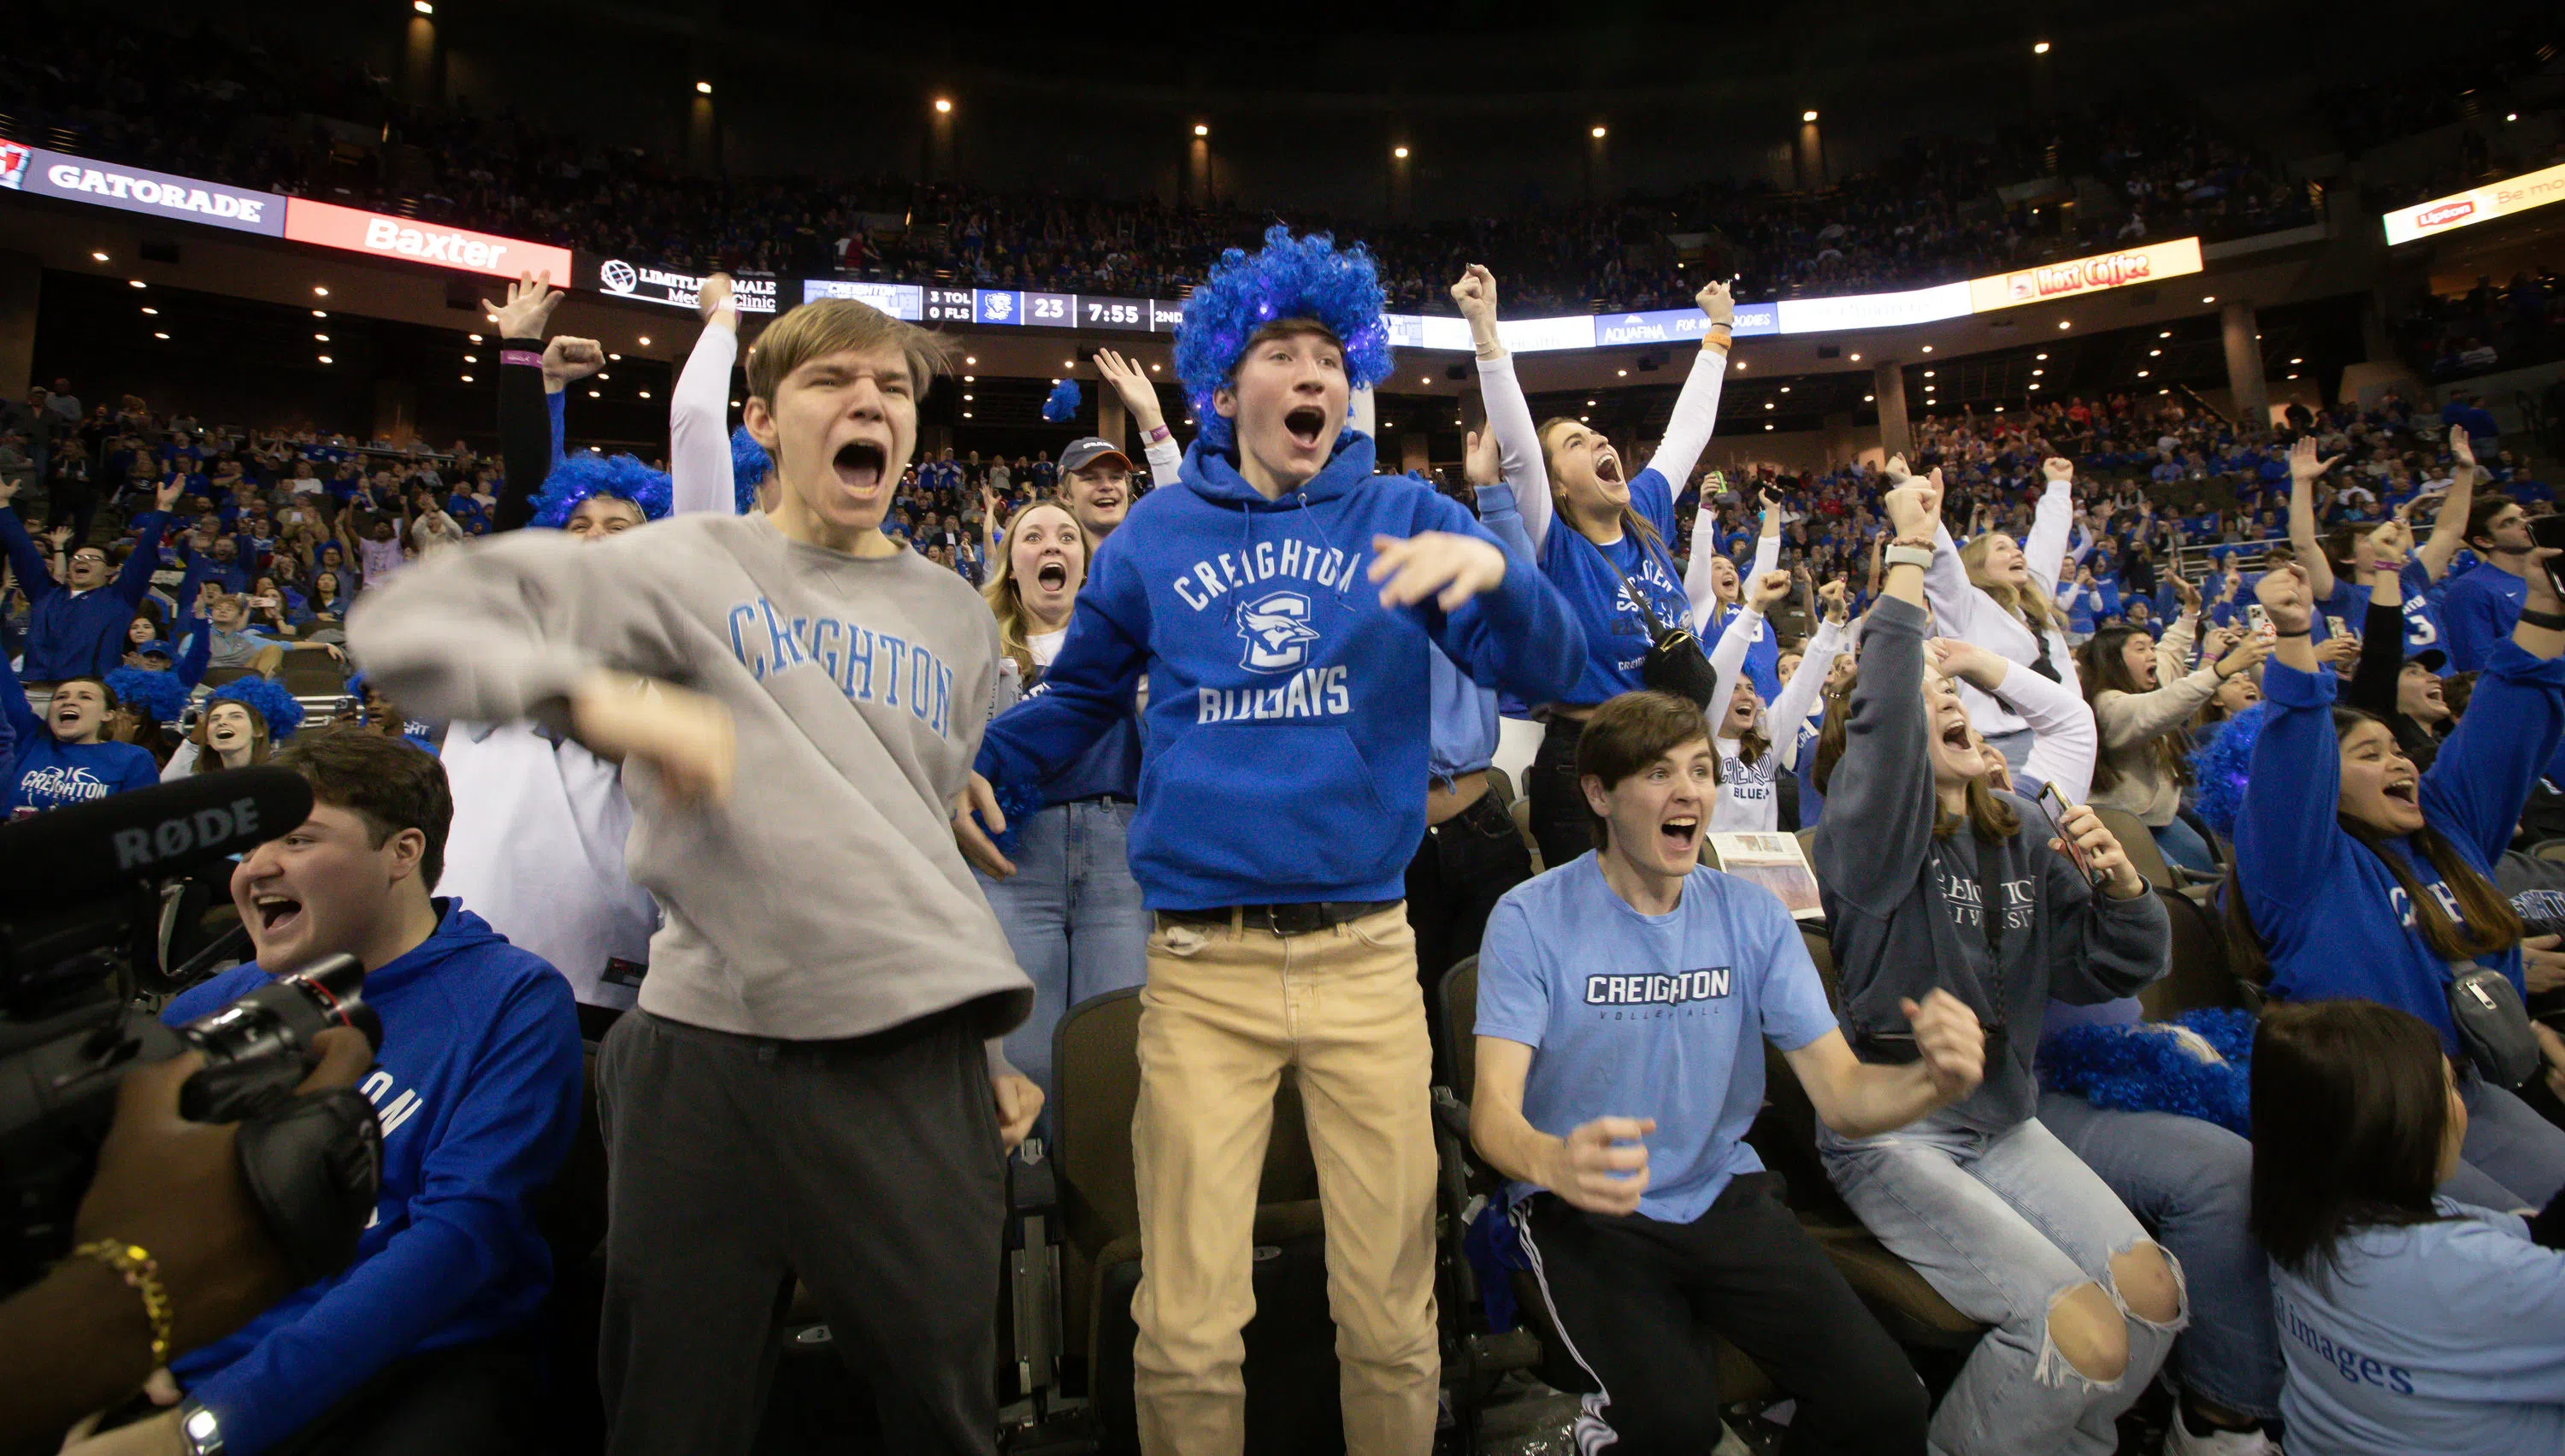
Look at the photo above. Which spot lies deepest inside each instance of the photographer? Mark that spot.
(80, 1338)
(478, 1091)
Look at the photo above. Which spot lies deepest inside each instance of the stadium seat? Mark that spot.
(2139, 843)
(569, 1213)
(1292, 1381)
(1520, 812)
(1501, 785)
(312, 672)
(2201, 976)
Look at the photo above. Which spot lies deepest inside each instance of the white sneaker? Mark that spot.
(2179, 1441)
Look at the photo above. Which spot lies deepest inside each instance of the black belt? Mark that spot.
(1302, 918)
(1102, 799)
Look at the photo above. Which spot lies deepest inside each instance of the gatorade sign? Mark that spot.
(411, 240)
(41, 174)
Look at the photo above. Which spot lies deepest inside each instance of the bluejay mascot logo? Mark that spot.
(1277, 632)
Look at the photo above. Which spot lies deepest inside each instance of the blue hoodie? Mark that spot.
(79, 633)
(478, 1092)
(1284, 751)
(46, 773)
(2331, 917)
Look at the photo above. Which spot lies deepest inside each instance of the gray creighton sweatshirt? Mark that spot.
(824, 897)
(2004, 924)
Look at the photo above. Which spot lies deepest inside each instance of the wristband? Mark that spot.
(2300, 633)
(1908, 555)
(2553, 622)
(135, 1265)
(531, 359)
(1156, 434)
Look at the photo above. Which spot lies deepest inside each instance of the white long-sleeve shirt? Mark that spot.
(1962, 610)
(1696, 416)
(1746, 801)
(699, 468)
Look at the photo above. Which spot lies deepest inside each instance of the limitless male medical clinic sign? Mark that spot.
(2476, 205)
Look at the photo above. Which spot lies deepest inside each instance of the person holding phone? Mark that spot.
(1935, 881)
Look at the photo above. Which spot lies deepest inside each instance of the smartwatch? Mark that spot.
(198, 1429)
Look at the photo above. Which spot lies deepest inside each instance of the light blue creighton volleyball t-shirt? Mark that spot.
(1650, 1016)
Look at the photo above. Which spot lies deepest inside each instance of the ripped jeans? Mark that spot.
(2003, 1225)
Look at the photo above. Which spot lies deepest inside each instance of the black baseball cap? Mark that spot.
(2431, 658)
(1086, 452)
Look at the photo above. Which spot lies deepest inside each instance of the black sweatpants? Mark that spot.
(1461, 868)
(1560, 822)
(1637, 1299)
(868, 1166)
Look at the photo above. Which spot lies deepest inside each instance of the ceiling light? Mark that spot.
(1856, 358)
(1598, 134)
(1589, 403)
(1624, 374)
(1583, 418)
(1068, 363)
(1153, 368)
(101, 257)
(602, 374)
(1767, 404)
(645, 340)
(2167, 334)
(147, 307)
(2065, 323)
(2142, 373)
(135, 283)
(1785, 388)
(423, 7)
(703, 88)
(325, 358)
(970, 378)
(2040, 49)
(970, 358)
(966, 398)
(645, 393)
(2036, 373)
(944, 105)
(615, 358)
(1807, 116)
(2297, 361)
(1999, 410)
(1767, 424)
(2512, 116)
(159, 335)
(317, 290)
(1399, 152)
(325, 313)
(1928, 348)
(1869, 398)
(471, 359)
(2292, 376)
(2164, 392)
(467, 379)
(1928, 373)
(2154, 353)
(2035, 383)
(2208, 298)
(1200, 130)
(593, 394)
(2041, 356)
(966, 414)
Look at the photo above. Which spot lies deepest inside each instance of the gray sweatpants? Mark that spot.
(869, 1167)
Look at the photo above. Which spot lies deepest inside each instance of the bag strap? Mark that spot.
(1656, 629)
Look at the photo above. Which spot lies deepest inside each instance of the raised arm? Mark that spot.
(24, 725)
(2304, 469)
(1508, 413)
(525, 450)
(1728, 658)
(2285, 832)
(2050, 521)
(1880, 807)
(2482, 776)
(2449, 528)
(1697, 408)
(25, 558)
(1799, 694)
(699, 469)
(1140, 404)
(2373, 677)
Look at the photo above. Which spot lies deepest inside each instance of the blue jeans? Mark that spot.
(2003, 1225)
(2182, 844)
(2512, 1158)
(2014, 746)
(2191, 1182)
(1071, 912)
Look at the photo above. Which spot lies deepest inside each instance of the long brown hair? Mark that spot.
(1631, 520)
(1988, 817)
(2105, 668)
(2031, 607)
(2351, 1108)
(1006, 600)
(210, 762)
(2488, 923)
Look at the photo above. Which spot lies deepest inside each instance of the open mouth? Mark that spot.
(1680, 835)
(1956, 737)
(859, 464)
(2403, 791)
(276, 913)
(1052, 575)
(1307, 425)
(1607, 467)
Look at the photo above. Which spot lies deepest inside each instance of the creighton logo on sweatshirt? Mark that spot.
(868, 667)
(1277, 632)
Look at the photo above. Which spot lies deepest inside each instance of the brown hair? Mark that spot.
(2489, 923)
(836, 325)
(2481, 509)
(2350, 1106)
(2106, 670)
(389, 783)
(210, 762)
(1006, 600)
(1626, 735)
(2031, 607)
(1988, 817)
(1631, 520)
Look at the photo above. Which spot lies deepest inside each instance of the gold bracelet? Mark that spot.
(135, 1265)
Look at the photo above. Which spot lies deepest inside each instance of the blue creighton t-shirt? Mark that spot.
(1590, 577)
(1650, 1016)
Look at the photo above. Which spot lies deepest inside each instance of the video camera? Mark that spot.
(80, 935)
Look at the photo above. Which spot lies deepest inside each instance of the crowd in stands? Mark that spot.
(2490, 327)
(203, 101)
(2056, 681)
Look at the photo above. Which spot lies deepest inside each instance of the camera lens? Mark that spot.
(282, 1017)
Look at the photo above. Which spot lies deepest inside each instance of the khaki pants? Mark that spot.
(1224, 1012)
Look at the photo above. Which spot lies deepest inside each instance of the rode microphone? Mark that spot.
(63, 857)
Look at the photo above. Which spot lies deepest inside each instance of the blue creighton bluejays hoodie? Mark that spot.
(477, 1089)
(1283, 756)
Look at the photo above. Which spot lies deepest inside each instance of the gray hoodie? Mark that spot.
(824, 897)
(1910, 911)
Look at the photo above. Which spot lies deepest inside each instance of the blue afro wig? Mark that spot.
(1062, 407)
(1291, 278)
(749, 467)
(274, 705)
(588, 473)
(2222, 764)
(159, 695)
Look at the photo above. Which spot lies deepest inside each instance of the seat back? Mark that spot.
(1459, 1011)
(2202, 975)
(1519, 811)
(2139, 844)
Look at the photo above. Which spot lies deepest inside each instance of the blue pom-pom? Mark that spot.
(1291, 277)
(159, 696)
(2222, 766)
(2145, 1068)
(588, 473)
(274, 705)
(749, 467)
(1062, 407)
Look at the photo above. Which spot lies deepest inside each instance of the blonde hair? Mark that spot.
(837, 326)
(2031, 607)
(1008, 602)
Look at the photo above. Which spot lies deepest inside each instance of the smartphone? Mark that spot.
(2256, 618)
(2053, 806)
(2549, 531)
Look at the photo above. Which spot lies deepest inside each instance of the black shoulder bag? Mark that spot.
(1676, 663)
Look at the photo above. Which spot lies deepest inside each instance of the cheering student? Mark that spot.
(2395, 681)
(1621, 1000)
(806, 1088)
(2410, 1322)
(76, 627)
(1281, 602)
(1099, 505)
(2358, 877)
(1471, 854)
(2478, 609)
(2002, 594)
(1718, 592)
(1753, 751)
(70, 755)
(2142, 700)
(2340, 572)
(1932, 879)
(1071, 911)
(1611, 562)
(245, 720)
